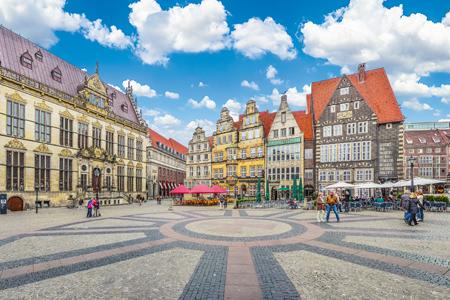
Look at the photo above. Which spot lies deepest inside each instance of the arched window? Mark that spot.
(56, 74)
(26, 60)
(38, 55)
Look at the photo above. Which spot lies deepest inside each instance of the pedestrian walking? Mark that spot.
(412, 209)
(320, 203)
(225, 203)
(420, 212)
(332, 202)
(89, 209)
(94, 206)
(339, 202)
(97, 208)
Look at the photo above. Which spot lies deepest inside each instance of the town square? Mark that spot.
(212, 149)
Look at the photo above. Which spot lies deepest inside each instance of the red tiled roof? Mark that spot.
(427, 136)
(267, 120)
(305, 123)
(376, 90)
(12, 46)
(178, 146)
(170, 143)
(308, 103)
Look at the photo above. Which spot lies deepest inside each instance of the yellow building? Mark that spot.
(224, 152)
(254, 126)
(65, 134)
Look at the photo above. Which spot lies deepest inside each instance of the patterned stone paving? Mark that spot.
(150, 252)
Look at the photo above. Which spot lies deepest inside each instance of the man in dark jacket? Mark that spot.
(413, 207)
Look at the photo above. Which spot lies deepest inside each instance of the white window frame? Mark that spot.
(327, 131)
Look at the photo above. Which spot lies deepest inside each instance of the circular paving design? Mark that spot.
(238, 228)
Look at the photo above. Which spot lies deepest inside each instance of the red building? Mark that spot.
(166, 167)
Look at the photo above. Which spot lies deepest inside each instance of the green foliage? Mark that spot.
(436, 198)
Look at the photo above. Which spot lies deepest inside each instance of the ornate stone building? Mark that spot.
(286, 149)
(250, 152)
(358, 128)
(166, 165)
(66, 134)
(198, 163)
(224, 152)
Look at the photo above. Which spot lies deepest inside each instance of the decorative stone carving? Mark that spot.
(110, 128)
(65, 153)
(120, 162)
(66, 114)
(83, 118)
(16, 97)
(42, 106)
(139, 165)
(15, 144)
(130, 164)
(97, 124)
(42, 148)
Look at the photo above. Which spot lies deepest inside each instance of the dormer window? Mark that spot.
(409, 141)
(26, 60)
(56, 74)
(124, 107)
(38, 55)
(422, 140)
(436, 139)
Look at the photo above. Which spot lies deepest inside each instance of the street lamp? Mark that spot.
(36, 189)
(411, 160)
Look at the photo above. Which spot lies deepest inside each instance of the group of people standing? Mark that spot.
(324, 206)
(93, 204)
(413, 206)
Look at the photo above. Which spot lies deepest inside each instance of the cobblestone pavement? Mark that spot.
(158, 252)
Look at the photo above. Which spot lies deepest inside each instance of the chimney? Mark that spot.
(283, 102)
(362, 72)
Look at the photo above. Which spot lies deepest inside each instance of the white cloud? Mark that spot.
(140, 89)
(251, 85)
(116, 87)
(171, 95)
(166, 120)
(367, 31)
(408, 84)
(111, 37)
(256, 37)
(202, 84)
(207, 125)
(415, 104)
(150, 112)
(444, 120)
(294, 97)
(39, 20)
(205, 102)
(234, 107)
(271, 74)
(192, 28)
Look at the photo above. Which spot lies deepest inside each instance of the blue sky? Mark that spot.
(187, 59)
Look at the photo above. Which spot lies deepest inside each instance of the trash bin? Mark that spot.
(3, 207)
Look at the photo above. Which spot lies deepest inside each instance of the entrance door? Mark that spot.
(96, 180)
(273, 193)
(15, 204)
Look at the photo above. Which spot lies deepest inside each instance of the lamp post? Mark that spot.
(411, 160)
(36, 189)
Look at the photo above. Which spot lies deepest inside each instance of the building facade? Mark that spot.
(250, 151)
(358, 129)
(67, 135)
(224, 152)
(285, 153)
(429, 149)
(166, 165)
(198, 163)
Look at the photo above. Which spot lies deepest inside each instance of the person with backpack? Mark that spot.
(332, 202)
(97, 208)
(89, 209)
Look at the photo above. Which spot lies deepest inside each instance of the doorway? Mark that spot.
(15, 203)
